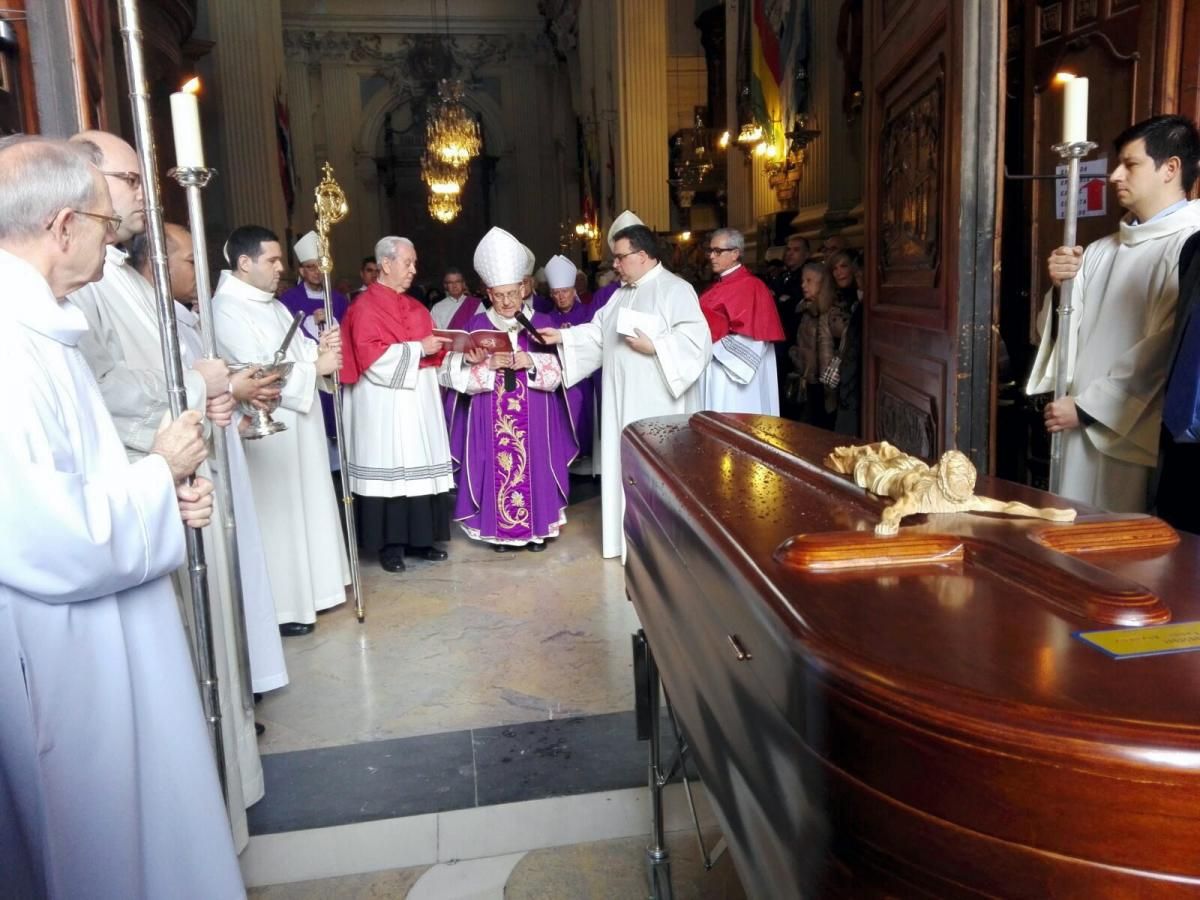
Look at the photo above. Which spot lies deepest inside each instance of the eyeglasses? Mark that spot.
(713, 251)
(111, 223)
(507, 296)
(617, 257)
(133, 179)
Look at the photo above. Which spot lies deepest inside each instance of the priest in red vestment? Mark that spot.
(398, 452)
(743, 322)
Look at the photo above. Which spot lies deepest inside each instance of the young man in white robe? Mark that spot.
(121, 308)
(289, 471)
(1124, 295)
(744, 326)
(108, 786)
(653, 343)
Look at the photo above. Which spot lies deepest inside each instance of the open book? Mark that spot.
(462, 341)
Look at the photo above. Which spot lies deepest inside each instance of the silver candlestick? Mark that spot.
(1072, 152)
(193, 180)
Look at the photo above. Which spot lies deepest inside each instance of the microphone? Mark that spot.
(523, 321)
(510, 380)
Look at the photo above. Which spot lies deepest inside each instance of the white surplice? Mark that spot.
(741, 378)
(1124, 300)
(135, 395)
(268, 670)
(396, 441)
(289, 471)
(123, 306)
(443, 311)
(108, 787)
(637, 386)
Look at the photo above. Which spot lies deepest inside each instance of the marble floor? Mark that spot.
(596, 870)
(483, 639)
(473, 738)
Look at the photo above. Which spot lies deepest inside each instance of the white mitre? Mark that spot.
(530, 261)
(621, 222)
(500, 259)
(560, 273)
(307, 248)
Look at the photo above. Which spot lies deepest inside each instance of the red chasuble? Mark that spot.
(741, 304)
(378, 318)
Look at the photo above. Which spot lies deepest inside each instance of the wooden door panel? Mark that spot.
(912, 188)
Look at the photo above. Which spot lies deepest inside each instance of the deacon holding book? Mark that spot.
(653, 343)
(518, 439)
(397, 449)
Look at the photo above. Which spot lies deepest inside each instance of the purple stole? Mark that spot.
(296, 299)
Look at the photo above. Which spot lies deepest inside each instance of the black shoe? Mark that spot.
(505, 548)
(295, 629)
(535, 547)
(260, 729)
(392, 563)
(257, 697)
(433, 554)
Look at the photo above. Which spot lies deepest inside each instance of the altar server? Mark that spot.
(398, 451)
(268, 671)
(653, 343)
(1125, 290)
(289, 471)
(742, 322)
(124, 349)
(108, 786)
(518, 441)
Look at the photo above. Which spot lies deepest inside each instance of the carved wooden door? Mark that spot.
(932, 114)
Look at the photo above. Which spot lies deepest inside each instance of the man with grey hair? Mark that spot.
(397, 448)
(121, 344)
(107, 779)
(743, 322)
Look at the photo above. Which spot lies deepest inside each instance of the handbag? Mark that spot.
(832, 373)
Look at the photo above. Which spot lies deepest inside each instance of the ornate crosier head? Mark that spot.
(331, 207)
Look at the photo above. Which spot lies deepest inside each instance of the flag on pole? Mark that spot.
(287, 165)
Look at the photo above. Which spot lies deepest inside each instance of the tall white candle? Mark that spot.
(1075, 101)
(185, 122)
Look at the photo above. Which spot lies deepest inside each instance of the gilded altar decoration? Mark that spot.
(947, 487)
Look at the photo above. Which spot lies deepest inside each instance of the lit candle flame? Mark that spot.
(192, 86)
(1064, 77)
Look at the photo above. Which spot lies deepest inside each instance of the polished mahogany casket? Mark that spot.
(913, 716)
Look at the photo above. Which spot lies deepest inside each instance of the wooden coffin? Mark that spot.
(913, 716)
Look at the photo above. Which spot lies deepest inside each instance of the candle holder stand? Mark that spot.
(1072, 152)
(194, 180)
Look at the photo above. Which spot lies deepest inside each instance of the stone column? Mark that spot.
(740, 204)
(301, 115)
(640, 27)
(248, 63)
(342, 107)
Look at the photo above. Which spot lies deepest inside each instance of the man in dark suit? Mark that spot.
(1179, 447)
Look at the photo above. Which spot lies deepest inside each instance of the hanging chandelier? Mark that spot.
(444, 207)
(452, 134)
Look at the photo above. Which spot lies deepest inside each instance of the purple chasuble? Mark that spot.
(603, 295)
(296, 299)
(582, 398)
(514, 448)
